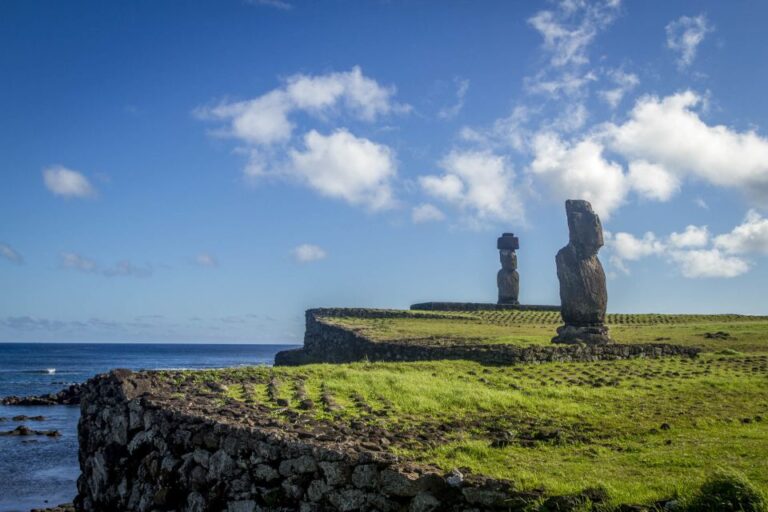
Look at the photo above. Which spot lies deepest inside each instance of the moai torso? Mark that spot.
(507, 279)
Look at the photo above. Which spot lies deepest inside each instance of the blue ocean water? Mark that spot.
(36, 471)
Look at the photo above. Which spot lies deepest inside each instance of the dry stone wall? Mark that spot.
(139, 454)
(325, 342)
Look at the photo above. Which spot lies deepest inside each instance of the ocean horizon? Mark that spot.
(36, 471)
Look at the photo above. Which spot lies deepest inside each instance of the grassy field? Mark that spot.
(644, 429)
(743, 333)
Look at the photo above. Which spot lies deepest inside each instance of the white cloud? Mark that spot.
(624, 82)
(626, 247)
(684, 36)
(462, 86)
(205, 259)
(306, 253)
(11, 254)
(339, 165)
(346, 167)
(66, 182)
(652, 181)
(573, 117)
(693, 236)
(563, 84)
(749, 237)
(74, 261)
(669, 133)
(426, 212)
(704, 263)
(480, 183)
(265, 120)
(579, 171)
(690, 250)
(77, 262)
(506, 131)
(569, 29)
(701, 203)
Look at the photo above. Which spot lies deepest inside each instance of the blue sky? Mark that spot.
(206, 171)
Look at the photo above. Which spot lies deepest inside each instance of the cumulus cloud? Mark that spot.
(11, 254)
(749, 237)
(462, 86)
(692, 251)
(669, 133)
(205, 259)
(684, 36)
(652, 181)
(626, 247)
(703, 263)
(266, 120)
(339, 165)
(578, 170)
(693, 236)
(306, 253)
(75, 261)
(480, 183)
(346, 167)
(67, 183)
(426, 212)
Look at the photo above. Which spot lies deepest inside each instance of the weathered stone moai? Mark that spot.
(583, 295)
(508, 280)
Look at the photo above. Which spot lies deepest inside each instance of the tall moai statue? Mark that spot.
(508, 280)
(583, 294)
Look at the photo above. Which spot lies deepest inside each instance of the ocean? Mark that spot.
(37, 471)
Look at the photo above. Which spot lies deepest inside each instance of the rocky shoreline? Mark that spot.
(67, 396)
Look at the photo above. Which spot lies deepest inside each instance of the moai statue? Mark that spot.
(583, 295)
(508, 280)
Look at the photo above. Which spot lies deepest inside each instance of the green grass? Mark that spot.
(745, 333)
(645, 429)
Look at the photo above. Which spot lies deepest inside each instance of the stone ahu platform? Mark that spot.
(479, 306)
(168, 441)
(339, 335)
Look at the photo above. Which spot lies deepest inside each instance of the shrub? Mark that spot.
(727, 492)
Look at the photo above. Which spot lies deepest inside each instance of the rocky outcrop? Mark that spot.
(142, 449)
(508, 279)
(583, 293)
(325, 342)
(67, 396)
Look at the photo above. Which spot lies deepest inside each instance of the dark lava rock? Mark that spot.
(22, 417)
(68, 396)
(23, 430)
(583, 293)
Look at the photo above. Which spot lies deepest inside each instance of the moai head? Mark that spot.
(507, 244)
(508, 259)
(584, 228)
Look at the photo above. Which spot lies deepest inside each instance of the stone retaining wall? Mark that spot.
(480, 306)
(142, 451)
(328, 343)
